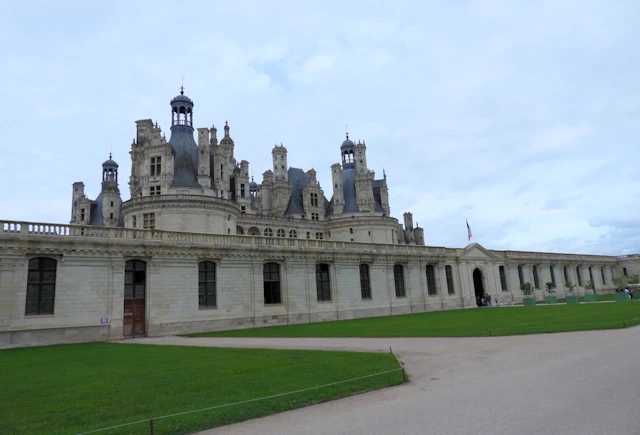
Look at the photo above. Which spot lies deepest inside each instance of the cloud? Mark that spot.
(521, 117)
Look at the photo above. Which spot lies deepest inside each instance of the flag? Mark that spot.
(468, 230)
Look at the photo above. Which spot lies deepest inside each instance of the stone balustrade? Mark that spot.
(69, 230)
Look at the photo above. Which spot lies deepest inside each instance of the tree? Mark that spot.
(526, 288)
(549, 287)
(569, 285)
(589, 285)
(619, 283)
(633, 279)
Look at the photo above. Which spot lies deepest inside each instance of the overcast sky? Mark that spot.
(522, 117)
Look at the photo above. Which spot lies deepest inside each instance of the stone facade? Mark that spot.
(89, 300)
(200, 246)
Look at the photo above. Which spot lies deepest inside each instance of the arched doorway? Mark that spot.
(253, 231)
(478, 285)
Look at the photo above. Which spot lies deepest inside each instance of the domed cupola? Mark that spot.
(347, 149)
(184, 147)
(110, 171)
(253, 188)
(181, 110)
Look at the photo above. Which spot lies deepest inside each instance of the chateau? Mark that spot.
(201, 246)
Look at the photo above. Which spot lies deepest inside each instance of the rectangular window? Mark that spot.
(207, 297)
(271, 277)
(314, 200)
(449, 272)
(315, 216)
(520, 276)
(110, 215)
(398, 278)
(243, 209)
(503, 279)
(134, 221)
(319, 236)
(41, 286)
(149, 221)
(154, 190)
(624, 271)
(365, 282)
(579, 275)
(111, 203)
(241, 190)
(536, 283)
(82, 214)
(308, 235)
(322, 282)
(156, 166)
(431, 280)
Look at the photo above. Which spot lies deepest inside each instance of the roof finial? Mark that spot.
(182, 87)
(346, 127)
(110, 149)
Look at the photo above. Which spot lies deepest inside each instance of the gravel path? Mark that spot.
(568, 383)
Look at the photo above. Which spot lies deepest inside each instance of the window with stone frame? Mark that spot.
(553, 275)
(624, 271)
(431, 280)
(520, 276)
(293, 234)
(579, 275)
(449, 272)
(243, 210)
(154, 190)
(41, 286)
(314, 200)
(207, 295)
(156, 166)
(82, 214)
(134, 221)
(536, 282)
(503, 279)
(365, 282)
(398, 279)
(271, 278)
(242, 189)
(308, 235)
(280, 233)
(604, 280)
(268, 232)
(315, 216)
(319, 236)
(323, 285)
(149, 221)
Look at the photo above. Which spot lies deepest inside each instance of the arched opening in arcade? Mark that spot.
(478, 286)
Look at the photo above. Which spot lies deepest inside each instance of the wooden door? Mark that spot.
(135, 279)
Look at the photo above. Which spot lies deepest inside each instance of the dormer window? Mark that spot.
(314, 200)
(156, 166)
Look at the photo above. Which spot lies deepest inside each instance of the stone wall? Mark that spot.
(89, 288)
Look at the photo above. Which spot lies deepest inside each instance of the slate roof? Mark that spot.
(185, 156)
(95, 218)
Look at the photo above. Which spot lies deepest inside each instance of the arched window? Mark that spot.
(323, 285)
(280, 233)
(520, 276)
(553, 275)
(604, 280)
(536, 282)
(268, 232)
(398, 278)
(239, 230)
(207, 297)
(41, 286)
(365, 282)
(449, 272)
(579, 274)
(503, 279)
(431, 280)
(271, 277)
(293, 234)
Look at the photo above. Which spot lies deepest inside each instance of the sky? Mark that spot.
(521, 116)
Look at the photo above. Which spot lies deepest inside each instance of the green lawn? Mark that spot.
(601, 298)
(462, 323)
(68, 389)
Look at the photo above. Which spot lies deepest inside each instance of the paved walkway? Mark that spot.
(570, 383)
